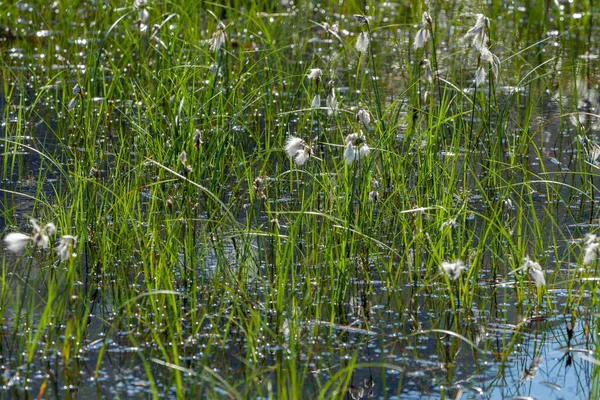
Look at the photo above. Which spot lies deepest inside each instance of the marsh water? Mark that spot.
(403, 340)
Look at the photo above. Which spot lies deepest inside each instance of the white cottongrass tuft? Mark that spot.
(356, 147)
(592, 249)
(72, 103)
(480, 76)
(362, 43)
(65, 247)
(331, 101)
(363, 117)
(423, 34)
(219, 37)
(316, 101)
(426, 19)
(421, 38)
(143, 13)
(143, 16)
(349, 153)
(41, 234)
(453, 270)
(297, 149)
(16, 242)
(478, 32)
(314, 74)
(492, 59)
(302, 157)
(293, 145)
(535, 271)
(426, 64)
(77, 90)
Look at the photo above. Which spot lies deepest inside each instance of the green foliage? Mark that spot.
(229, 272)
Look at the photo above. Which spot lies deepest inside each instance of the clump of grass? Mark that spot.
(236, 238)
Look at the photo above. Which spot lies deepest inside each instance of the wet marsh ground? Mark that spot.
(299, 200)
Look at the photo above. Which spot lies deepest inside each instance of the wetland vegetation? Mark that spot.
(293, 199)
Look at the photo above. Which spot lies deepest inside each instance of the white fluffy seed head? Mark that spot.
(491, 58)
(480, 76)
(298, 150)
(591, 252)
(349, 154)
(48, 229)
(363, 117)
(16, 242)
(363, 151)
(356, 147)
(535, 271)
(453, 270)
(293, 145)
(218, 39)
(362, 43)
(478, 32)
(426, 18)
(332, 103)
(314, 74)
(41, 234)
(589, 238)
(73, 103)
(65, 247)
(373, 195)
(352, 138)
(421, 38)
(316, 101)
(302, 157)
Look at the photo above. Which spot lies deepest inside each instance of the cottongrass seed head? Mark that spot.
(478, 32)
(316, 101)
(492, 59)
(41, 234)
(591, 250)
(314, 74)
(349, 154)
(480, 76)
(356, 147)
(535, 271)
(421, 38)
(362, 43)
(453, 270)
(65, 247)
(297, 149)
(363, 117)
(331, 101)
(423, 34)
(16, 241)
(219, 37)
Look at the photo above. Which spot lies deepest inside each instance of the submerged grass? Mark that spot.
(239, 271)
